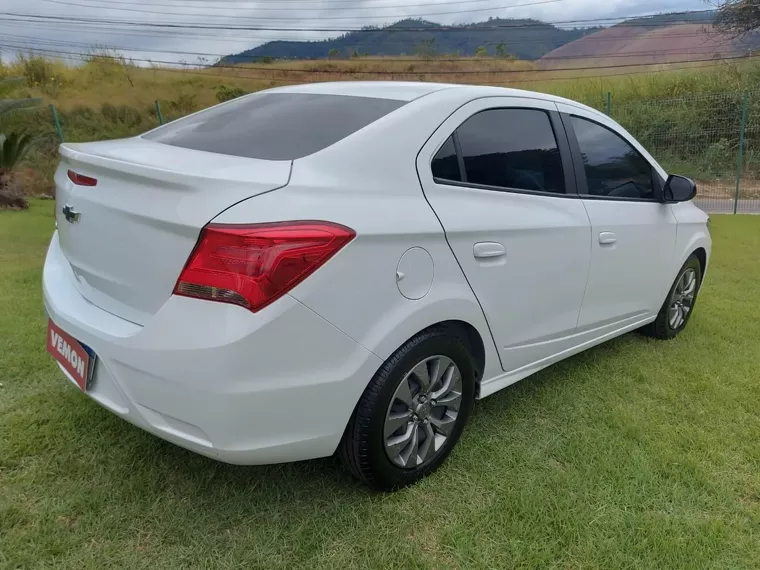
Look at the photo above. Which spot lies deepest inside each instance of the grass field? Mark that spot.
(636, 454)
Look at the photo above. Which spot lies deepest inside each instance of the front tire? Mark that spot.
(412, 412)
(679, 304)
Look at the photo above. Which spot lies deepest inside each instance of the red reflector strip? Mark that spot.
(82, 180)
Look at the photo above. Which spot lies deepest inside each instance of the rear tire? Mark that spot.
(679, 304)
(412, 412)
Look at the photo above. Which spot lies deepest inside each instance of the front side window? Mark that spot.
(511, 149)
(613, 167)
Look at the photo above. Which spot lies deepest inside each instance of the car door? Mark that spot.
(633, 232)
(498, 174)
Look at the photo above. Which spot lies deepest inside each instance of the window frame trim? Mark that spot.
(580, 168)
(560, 137)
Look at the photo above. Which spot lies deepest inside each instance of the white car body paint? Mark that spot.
(280, 384)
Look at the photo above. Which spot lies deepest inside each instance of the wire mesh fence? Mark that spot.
(713, 138)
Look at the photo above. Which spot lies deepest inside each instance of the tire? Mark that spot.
(384, 405)
(663, 327)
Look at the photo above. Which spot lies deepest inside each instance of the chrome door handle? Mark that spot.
(488, 249)
(607, 238)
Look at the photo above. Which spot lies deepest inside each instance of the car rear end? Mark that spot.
(186, 326)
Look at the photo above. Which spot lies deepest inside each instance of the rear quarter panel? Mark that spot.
(369, 183)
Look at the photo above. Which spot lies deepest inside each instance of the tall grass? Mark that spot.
(108, 96)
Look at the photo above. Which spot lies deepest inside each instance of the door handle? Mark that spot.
(488, 249)
(607, 238)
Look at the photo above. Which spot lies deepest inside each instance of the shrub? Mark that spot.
(122, 115)
(225, 93)
(184, 104)
(37, 70)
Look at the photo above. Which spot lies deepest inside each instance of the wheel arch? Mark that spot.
(472, 336)
(701, 254)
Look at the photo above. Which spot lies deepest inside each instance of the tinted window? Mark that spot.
(512, 148)
(613, 167)
(445, 164)
(275, 126)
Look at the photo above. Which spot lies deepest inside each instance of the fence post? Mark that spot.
(57, 122)
(739, 156)
(609, 103)
(158, 113)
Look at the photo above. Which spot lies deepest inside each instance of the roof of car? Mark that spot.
(409, 90)
(399, 90)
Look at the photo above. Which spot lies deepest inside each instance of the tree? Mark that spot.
(481, 52)
(737, 17)
(501, 50)
(426, 48)
(333, 53)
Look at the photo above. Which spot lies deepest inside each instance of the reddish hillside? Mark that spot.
(637, 44)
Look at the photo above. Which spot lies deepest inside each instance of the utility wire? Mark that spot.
(374, 29)
(512, 42)
(282, 6)
(277, 80)
(301, 19)
(95, 49)
(269, 68)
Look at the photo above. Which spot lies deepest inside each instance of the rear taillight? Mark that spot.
(253, 265)
(81, 179)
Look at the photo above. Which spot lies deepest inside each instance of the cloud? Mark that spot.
(128, 26)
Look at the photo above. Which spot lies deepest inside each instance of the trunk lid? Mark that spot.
(137, 227)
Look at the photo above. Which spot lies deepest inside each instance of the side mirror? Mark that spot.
(679, 189)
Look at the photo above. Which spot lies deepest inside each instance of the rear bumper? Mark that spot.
(278, 385)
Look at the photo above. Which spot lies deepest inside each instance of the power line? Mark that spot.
(513, 41)
(437, 27)
(673, 67)
(413, 73)
(285, 19)
(611, 55)
(239, 6)
(280, 3)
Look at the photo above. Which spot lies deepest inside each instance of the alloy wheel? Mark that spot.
(682, 299)
(423, 412)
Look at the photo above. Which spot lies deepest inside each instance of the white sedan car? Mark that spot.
(347, 267)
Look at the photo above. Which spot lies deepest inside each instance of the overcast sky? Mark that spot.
(127, 32)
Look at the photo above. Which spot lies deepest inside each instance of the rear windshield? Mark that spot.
(275, 126)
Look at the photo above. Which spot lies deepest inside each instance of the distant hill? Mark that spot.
(524, 39)
(665, 38)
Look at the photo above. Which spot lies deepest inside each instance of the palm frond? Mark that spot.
(14, 148)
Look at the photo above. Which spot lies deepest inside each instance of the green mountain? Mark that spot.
(525, 39)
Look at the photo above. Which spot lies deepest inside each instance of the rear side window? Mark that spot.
(511, 149)
(445, 163)
(275, 126)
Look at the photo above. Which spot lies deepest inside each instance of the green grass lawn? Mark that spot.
(636, 454)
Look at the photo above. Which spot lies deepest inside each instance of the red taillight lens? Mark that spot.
(81, 180)
(254, 265)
